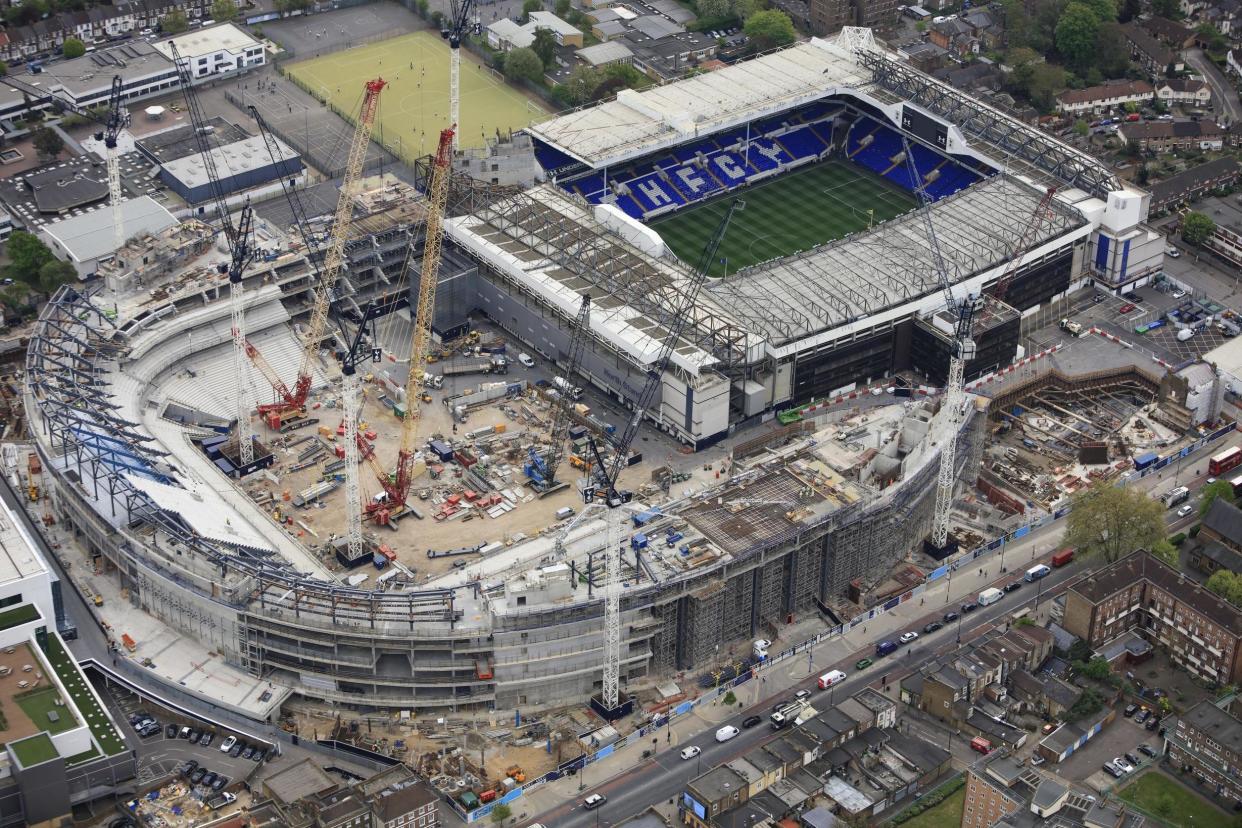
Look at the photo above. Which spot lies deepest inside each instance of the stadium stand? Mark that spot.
(707, 166)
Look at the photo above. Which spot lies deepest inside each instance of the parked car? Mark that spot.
(184, 733)
(247, 753)
(1130, 710)
(1011, 587)
(751, 721)
(237, 749)
(1126, 308)
(210, 779)
(1172, 252)
(594, 801)
(950, 617)
(1146, 749)
(187, 767)
(1132, 759)
(527, 360)
(259, 754)
(1142, 715)
(1113, 770)
(726, 733)
(1132, 296)
(207, 739)
(863, 663)
(932, 627)
(1122, 765)
(907, 637)
(195, 735)
(228, 744)
(197, 775)
(1152, 723)
(152, 729)
(138, 716)
(690, 752)
(968, 607)
(170, 731)
(220, 783)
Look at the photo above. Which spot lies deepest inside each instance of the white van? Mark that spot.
(1037, 572)
(830, 678)
(990, 596)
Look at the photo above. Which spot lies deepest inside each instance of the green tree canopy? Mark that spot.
(1197, 228)
(222, 10)
(714, 9)
(26, 255)
(1209, 34)
(1227, 585)
(523, 64)
(1082, 128)
(174, 22)
(53, 274)
(544, 46)
(1112, 521)
(73, 48)
(47, 142)
(769, 29)
(1105, 10)
(501, 812)
(1221, 488)
(1171, 9)
(530, 6)
(1166, 551)
(1076, 34)
(743, 9)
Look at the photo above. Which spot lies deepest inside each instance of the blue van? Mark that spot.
(884, 648)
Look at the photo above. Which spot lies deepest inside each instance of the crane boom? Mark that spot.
(560, 417)
(397, 484)
(241, 255)
(1041, 212)
(456, 26)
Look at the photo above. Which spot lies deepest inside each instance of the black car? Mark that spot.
(1012, 587)
(197, 775)
(220, 783)
(1143, 715)
(150, 730)
(187, 767)
(259, 754)
(1132, 296)
(237, 749)
(1146, 750)
(247, 753)
(970, 606)
(170, 731)
(1152, 723)
(1130, 710)
(195, 735)
(932, 627)
(950, 617)
(751, 721)
(207, 739)
(138, 716)
(142, 724)
(1131, 758)
(210, 779)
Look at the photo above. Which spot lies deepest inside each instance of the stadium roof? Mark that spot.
(856, 277)
(90, 235)
(637, 123)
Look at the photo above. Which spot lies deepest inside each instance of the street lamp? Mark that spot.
(1004, 543)
(960, 616)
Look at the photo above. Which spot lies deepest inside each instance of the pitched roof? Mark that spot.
(1224, 519)
(1107, 91)
(1183, 84)
(1192, 179)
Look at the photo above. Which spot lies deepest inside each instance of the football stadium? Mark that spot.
(848, 161)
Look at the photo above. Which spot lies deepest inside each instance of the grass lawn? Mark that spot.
(22, 614)
(1171, 801)
(947, 814)
(39, 703)
(75, 683)
(791, 212)
(34, 749)
(414, 107)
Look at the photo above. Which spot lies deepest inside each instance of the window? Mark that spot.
(11, 600)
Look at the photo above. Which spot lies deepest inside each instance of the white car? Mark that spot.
(527, 360)
(1179, 294)
(1210, 481)
(907, 637)
(594, 801)
(690, 752)
(1185, 510)
(227, 744)
(1122, 765)
(1172, 252)
(726, 733)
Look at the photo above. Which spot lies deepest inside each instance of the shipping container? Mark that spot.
(1144, 460)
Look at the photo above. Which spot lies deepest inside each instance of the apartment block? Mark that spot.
(1207, 741)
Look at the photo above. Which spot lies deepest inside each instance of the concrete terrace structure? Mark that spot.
(86, 239)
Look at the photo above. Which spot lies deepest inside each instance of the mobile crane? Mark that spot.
(605, 475)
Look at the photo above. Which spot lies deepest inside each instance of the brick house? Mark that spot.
(1162, 136)
(1106, 98)
(1208, 741)
(1194, 183)
(1184, 91)
(1156, 59)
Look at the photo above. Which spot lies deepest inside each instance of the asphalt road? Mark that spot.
(664, 776)
(1224, 97)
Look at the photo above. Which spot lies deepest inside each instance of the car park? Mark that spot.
(207, 739)
(1142, 715)
(594, 801)
(863, 663)
(1132, 296)
(247, 753)
(210, 778)
(690, 752)
(197, 775)
(138, 716)
(1126, 308)
(220, 783)
(259, 754)
(151, 729)
(932, 627)
(751, 721)
(195, 735)
(187, 767)
(907, 637)
(726, 733)
(184, 733)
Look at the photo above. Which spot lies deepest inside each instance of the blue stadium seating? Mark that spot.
(729, 168)
(591, 187)
(803, 143)
(550, 158)
(693, 182)
(653, 194)
(758, 160)
(630, 206)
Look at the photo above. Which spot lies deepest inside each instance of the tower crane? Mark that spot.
(292, 403)
(963, 351)
(1038, 216)
(396, 483)
(606, 474)
(240, 255)
(111, 123)
(452, 32)
(542, 470)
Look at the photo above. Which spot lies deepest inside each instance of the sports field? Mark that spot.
(414, 107)
(785, 214)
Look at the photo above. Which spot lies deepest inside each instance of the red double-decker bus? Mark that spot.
(1226, 460)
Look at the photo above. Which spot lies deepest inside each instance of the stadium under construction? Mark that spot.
(116, 390)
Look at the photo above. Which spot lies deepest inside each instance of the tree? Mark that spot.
(769, 29)
(1166, 551)
(1221, 488)
(1097, 668)
(1111, 521)
(174, 22)
(1227, 585)
(579, 87)
(714, 9)
(530, 6)
(1088, 704)
(26, 255)
(1082, 128)
(4, 68)
(743, 9)
(1130, 9)
(73, 48)
(544, 46)
(1171, 9)
(1105, 10)
(523, 64)
(1076, 33)
(562, 8)
(222, 10)
(1197, 228)
(1163, 805)
(1209, 34)
(53, 274)
(48, 142)
(501, 812)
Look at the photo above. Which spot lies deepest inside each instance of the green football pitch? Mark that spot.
(783, 215)
(414, 107)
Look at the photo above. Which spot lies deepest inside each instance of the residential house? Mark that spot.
(990, 793)
(1208, 740)
(1219, 542)
(926, 57)
(1162, 136)
(506, 35)
(955, 35)
(978, 76)
(1169, 32)
(1104, 99)
(1199, 630)
(986, 28)
(1156, 59)
(412, 805)
(1225, 15)
(711, 794)
(1184, 92)
(1194, 183)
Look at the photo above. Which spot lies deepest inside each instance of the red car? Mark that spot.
(1127, 307)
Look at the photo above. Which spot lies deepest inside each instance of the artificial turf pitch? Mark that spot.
(783, 215)
(414, 106)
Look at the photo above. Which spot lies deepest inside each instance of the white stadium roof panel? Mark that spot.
(636, 123)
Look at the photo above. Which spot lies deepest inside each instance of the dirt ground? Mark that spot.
(413, 537)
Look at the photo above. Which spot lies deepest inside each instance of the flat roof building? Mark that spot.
(240, 165)
(217, 50)
(84, 240)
